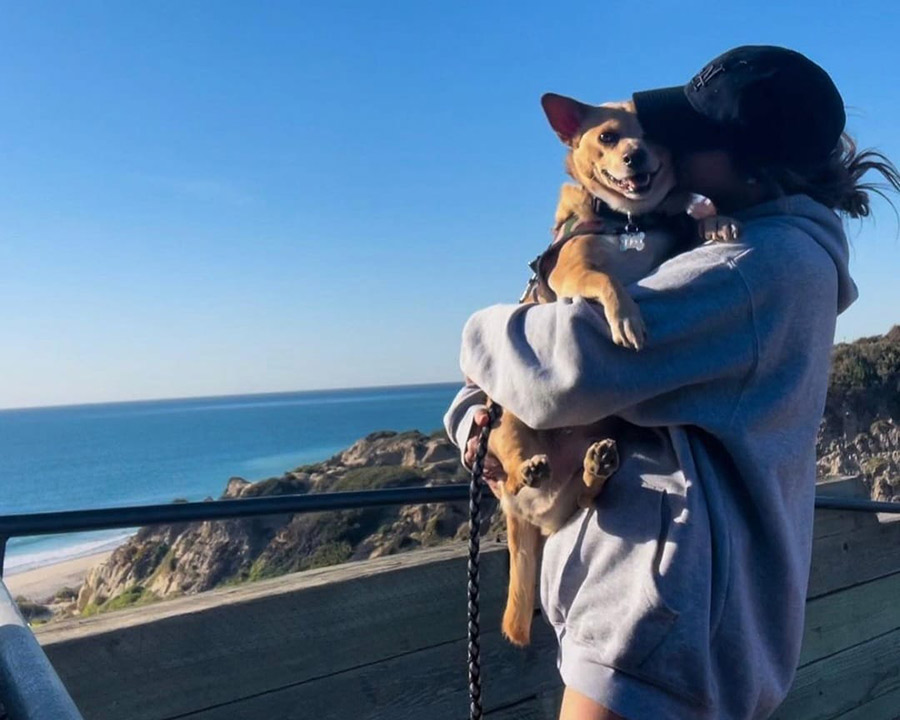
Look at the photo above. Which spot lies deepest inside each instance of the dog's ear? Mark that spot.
(565, 114)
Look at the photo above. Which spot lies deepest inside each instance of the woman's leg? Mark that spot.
(576, 706)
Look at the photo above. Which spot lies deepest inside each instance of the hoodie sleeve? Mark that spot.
(554, 365)
(459, 418)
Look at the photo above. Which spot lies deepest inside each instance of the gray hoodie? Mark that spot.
(682, 593)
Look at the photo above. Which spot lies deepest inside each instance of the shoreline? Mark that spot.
(17, 563)
(42, 583)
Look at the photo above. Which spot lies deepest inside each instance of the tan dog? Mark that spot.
(614, 227)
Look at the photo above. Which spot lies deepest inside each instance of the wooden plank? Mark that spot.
(846, 681)
(843, 619)
(885, 707)
(544, 706)
(285, 584)
(212, 648)
(851, 547)
(839, 522)
(870, 550)
(836, 522)
(843, 486)
(430, 683)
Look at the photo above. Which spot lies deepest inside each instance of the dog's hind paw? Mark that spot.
(600, 461)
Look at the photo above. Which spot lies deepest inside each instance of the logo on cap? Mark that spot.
(706, 74)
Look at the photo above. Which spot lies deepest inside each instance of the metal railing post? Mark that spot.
(30, 689)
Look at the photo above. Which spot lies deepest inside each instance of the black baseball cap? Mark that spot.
(761, 101)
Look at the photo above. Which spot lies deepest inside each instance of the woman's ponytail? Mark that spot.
(836, 182)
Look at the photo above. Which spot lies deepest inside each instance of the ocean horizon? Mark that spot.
(233, 396)
(138, 452)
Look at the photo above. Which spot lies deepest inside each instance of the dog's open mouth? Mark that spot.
(638, 184)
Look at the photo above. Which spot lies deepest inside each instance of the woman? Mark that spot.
(683, 595)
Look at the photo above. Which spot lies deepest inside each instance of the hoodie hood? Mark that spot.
(822, 224)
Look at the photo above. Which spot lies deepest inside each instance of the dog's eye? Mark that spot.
(609, 138)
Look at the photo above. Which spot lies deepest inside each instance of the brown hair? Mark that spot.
(836, 182)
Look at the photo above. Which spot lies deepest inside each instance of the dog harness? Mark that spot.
(608, 227)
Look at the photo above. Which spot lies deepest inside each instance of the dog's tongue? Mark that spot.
(637, 182)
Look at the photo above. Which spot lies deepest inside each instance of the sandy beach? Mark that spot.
(43, 582)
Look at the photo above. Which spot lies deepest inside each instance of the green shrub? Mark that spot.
(864, 381)
(874, 466)
(284, 485)
(32, 611)
(372, 478)
(330, 554)
(66, 594)
(134, 596)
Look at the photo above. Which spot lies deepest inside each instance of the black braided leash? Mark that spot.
(475, 711)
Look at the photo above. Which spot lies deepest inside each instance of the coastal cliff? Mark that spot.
(860, 431)
(179, 559)
(859, 436)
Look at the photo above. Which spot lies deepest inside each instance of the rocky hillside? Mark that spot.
(179, 559)
(860, 433)
(859, 436)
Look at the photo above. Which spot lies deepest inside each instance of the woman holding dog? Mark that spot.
(682, 595)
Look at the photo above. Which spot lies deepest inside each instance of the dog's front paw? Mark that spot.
(625, 323)
(719, 228)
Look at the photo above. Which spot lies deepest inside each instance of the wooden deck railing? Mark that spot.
(386, 639)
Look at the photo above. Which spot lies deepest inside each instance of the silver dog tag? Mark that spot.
(631, 241)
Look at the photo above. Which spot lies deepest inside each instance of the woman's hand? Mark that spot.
(493, 473)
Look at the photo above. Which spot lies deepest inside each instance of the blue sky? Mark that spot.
(223, 197)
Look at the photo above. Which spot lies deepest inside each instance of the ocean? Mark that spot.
(91, 456)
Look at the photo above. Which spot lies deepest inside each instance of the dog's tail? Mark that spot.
(524, 547)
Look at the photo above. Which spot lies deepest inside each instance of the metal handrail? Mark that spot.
(830, 502)
(48, 523)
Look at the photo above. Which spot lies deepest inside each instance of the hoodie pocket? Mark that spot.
(617, 610)
(648, 619)
(622, 618)
(624, 583)
(646, 635)
(665, 652)
(657, 619)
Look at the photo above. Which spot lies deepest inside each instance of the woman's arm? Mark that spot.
(555, 365)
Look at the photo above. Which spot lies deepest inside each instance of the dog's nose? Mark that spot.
(634, 157)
